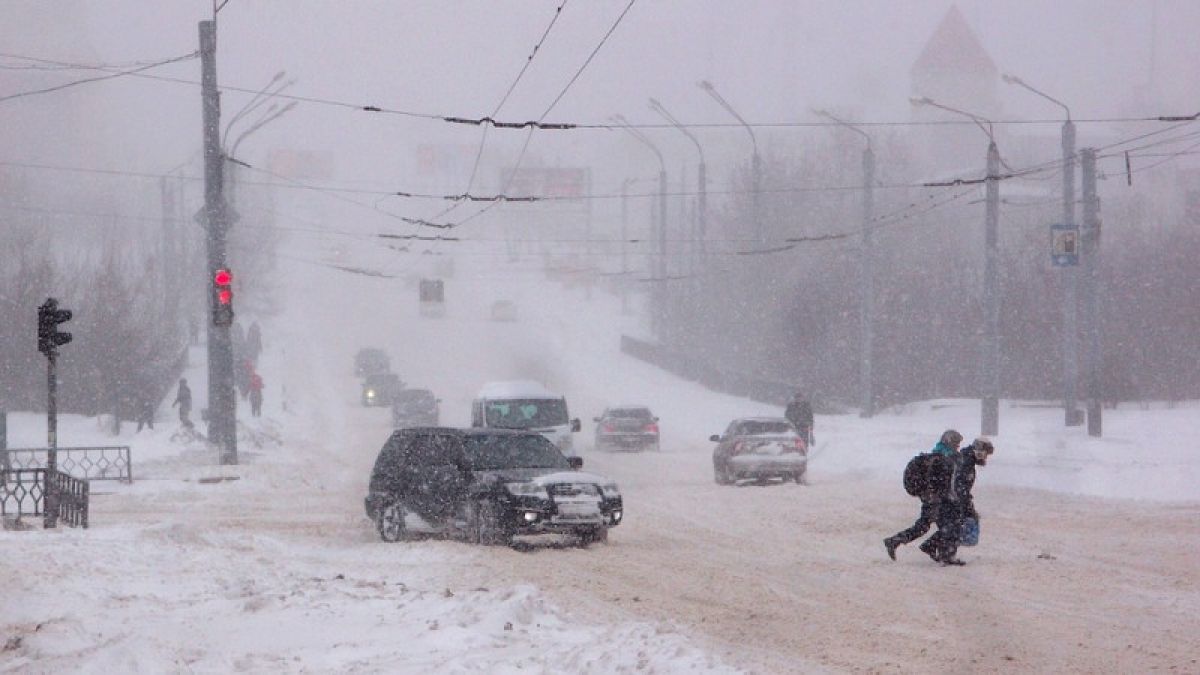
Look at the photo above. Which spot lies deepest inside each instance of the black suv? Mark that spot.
(415, 408)
(487, 486)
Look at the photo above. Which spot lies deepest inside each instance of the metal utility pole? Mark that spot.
(659, 306)
(1070, 283)
(216, 217)
(625, 245)
(1070, 276)
(701, 176)
(755, 160)
(1090, 249)
(867, 282)
(990, 405)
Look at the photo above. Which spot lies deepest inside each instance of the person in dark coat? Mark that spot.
(944, 542)
(799, 413)
(256, 393)
(935, 498)
(183, 399)
(145, 413)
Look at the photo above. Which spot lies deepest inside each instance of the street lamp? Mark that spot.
(756, 161)
(255, 101)
(1071, 279)
(867, 307)
(661, 272)
(990, 401)
(702, 175)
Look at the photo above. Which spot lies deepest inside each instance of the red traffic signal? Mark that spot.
(223, 296)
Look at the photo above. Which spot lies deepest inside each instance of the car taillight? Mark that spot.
(652, 428)
(801, 446)
(607, 428)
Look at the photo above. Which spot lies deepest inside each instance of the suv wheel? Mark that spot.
(390, 522)
(485, 525)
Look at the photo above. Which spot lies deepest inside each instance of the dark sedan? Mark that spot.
(630, 427)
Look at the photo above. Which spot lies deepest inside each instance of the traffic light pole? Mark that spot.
(222, 411)
(50, 497)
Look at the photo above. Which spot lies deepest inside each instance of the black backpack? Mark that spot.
(917, 474)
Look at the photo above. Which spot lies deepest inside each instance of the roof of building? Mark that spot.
(953, 46)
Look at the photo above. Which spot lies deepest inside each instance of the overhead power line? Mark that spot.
(99, 78)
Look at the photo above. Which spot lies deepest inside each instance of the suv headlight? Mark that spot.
(527, 490)
(610, 490)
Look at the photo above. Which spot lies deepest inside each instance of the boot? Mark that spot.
(890, 544)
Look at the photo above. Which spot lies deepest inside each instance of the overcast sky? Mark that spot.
(773, 59)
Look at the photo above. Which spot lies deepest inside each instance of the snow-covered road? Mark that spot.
(280, 571)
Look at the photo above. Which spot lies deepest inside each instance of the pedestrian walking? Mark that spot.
(183, 399)
(929, 477)
(145, 413)
(944, 543)
(253, 342)
(256, 394)
(799, 413)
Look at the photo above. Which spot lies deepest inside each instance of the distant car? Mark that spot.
(486, 486)
(759, 448)
(370, 360)
(380, 389)
(415, 408)
(504, 310)
(626, 427)
(433, 298)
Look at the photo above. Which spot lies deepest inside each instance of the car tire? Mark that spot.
(390, 523)
(485, 527)
(721, 475)
(593, 535)
(800, 478)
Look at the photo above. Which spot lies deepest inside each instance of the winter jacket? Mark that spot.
(964, 481)
(800, 414)
(941, 474)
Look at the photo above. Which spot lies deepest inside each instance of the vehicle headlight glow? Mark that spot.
(370, 393)
(527, 489)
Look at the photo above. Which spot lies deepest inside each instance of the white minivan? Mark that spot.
(527, 405)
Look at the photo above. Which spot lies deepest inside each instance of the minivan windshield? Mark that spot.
(527, 413)
(486, 452)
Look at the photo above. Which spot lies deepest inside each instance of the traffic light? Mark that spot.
(222, 298)
(49, 337)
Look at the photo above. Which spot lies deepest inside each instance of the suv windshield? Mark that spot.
(526, 413)
(489, 452)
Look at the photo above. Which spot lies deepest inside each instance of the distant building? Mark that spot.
(955, 70)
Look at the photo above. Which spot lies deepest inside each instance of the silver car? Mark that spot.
(759, 448)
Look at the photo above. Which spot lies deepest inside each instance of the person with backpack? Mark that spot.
(929, 477)
(961, 508)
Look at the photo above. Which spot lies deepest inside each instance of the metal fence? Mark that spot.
(51, 494)
(91, 463)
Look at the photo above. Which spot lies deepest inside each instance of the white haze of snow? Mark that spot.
(280, 570)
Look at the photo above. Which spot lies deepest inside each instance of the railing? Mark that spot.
(92, 463)
(22, 492)
(51, 494)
